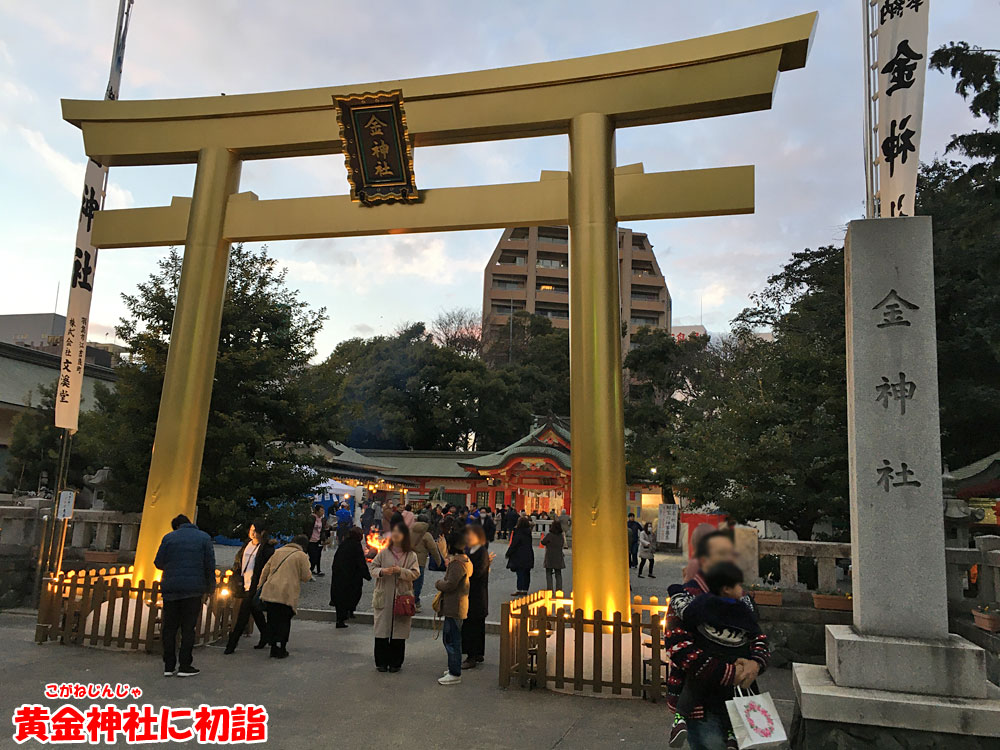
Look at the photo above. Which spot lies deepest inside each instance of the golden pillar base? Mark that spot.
(600, 547)
(179, 443)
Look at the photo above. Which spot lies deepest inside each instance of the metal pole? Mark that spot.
(600, 549)
(869, 108)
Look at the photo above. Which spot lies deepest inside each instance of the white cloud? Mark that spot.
(69, 173)
(714, 295)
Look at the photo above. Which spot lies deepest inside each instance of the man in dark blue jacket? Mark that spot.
(187, 559)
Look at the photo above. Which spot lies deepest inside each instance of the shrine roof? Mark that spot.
(411, 463)
(979, 477)
(531, 445)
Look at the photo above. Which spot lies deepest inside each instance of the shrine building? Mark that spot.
(533, 473)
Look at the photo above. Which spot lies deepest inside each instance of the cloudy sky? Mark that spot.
(807, 149)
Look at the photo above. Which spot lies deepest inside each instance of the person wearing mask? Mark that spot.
(647, 548)
(187, 558)
(555, 559)
(317, 530)
(521, 555)
(409, 518)
(474, 626)
(347, 576)
(634, 527)
(425, 546)
(280, 583)
(247, 567)
(394, 569)
(454, 605)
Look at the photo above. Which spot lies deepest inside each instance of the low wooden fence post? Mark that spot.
(505, 645)
(541, 655)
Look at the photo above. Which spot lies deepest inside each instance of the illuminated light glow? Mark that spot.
(376, 542)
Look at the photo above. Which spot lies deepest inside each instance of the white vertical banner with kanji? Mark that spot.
(902, 73)
(74, 345)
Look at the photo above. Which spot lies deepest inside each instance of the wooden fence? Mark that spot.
(102, 608)
(545, 642)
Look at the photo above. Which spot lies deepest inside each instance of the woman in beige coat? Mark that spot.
(280, 582)
(394, 569)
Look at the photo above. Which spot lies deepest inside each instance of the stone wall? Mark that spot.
(796, 630)
(17, 570)
(835, 735)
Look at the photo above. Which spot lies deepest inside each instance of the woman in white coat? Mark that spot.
(646, 548)
(394, 569)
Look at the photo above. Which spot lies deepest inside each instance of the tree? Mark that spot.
(977, 72)
(963, 197)
(768, 438)
(460, 329)
(665, 375)
(405, 391)
(532, 352)
(258, 409)
(35, 444)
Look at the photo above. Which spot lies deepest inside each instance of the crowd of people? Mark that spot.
(712, 637)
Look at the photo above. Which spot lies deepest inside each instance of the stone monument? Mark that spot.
(896, 677)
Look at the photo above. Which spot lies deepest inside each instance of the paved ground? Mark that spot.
(328, 694)
(316, 594)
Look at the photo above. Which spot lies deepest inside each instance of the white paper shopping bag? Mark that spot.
(755, 720)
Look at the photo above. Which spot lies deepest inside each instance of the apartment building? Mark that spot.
(529, 270)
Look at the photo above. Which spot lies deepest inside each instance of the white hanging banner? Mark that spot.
(74, 346)
(902, 73)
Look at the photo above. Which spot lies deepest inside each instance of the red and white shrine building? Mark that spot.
(533, 473)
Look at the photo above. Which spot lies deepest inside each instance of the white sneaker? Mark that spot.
(449, 679)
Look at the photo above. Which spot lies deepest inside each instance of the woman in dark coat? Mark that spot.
(521, 555)
(350, 571)
(474, 626)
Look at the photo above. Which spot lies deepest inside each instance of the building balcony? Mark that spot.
(652, 305)
(500, 295)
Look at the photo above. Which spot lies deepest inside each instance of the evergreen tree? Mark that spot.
(258, 409)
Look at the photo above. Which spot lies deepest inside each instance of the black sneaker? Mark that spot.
(678, 732)
(731, 743)
(188, 672)
(382, 669)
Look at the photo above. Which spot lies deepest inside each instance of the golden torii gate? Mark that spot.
(587, 98)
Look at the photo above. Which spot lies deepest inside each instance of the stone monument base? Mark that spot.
(951, 667)
(832, 717)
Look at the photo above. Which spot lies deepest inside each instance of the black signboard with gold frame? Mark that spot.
(377, 150)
